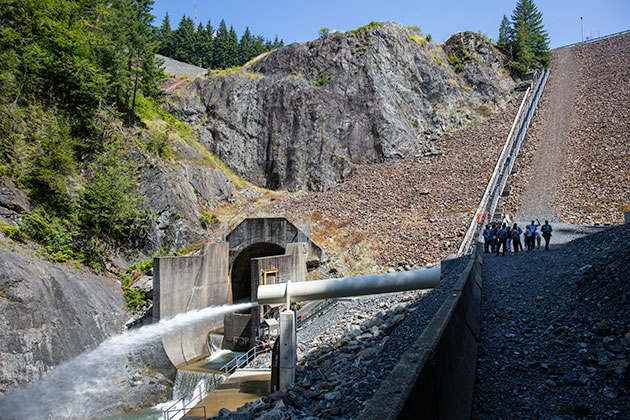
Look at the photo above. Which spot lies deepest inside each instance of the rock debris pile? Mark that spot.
(555, 331)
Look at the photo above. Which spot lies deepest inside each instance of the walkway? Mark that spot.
(552, 329)
(539, 194)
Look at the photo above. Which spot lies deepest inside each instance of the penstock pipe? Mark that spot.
(348, 286)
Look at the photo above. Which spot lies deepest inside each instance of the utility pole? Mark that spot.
(582, 26)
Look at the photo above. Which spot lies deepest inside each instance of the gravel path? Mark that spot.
(555, 330)
(539, 195)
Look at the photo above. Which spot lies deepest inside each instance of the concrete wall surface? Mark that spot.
(435, 378)
(185, 283)
(273, 230)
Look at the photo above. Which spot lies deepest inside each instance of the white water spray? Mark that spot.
(90, 384)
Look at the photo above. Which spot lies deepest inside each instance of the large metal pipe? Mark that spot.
(348, 286)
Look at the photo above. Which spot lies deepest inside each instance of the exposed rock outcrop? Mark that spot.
(178, 196)
(303, 115)
(49, 313)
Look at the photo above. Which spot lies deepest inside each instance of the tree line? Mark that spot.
(206, 47)
(524, 38)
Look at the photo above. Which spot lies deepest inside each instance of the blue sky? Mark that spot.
(296, 21)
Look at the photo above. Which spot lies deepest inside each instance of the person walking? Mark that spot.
(546, 233)
(486, 239)
(538, 239)
(529, 238)
(516, 238)
(502, 235)
(508, 241)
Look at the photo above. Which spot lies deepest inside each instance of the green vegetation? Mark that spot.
(323, 79)
(419, 39)
(415, 28)
(323, 31)
(210, 47)
(10, 231)
(456, 62)
(72, 75)
(524, 38)
(366, 27)
(438, 61)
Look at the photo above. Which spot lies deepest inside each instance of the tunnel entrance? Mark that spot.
(241, 276)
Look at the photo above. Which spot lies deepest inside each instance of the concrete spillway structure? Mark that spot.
(332, 288)
(256, 251)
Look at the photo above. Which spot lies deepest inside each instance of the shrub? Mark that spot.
(12, 232)
(208, 218)
(420, 40)
(366, 27)
(323, 79)
(437, 61)
(109, 205)
(455, 62)
(50, 232)
(429, 37)
(323, 31)
(135, 298)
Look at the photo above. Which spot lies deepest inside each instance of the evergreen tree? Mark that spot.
(200, 46)
(245, 47)
(231, 51)
(504, 34)
(220, 47)
(184, 48)
(208, 45)
(529, 40)
(165, 37)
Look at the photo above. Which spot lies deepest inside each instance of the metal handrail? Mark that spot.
(180, 407)
(243, 359)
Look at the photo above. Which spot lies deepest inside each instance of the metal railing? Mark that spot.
(207, 385)
(181, 407)
(599, 38)
(243, 359)
(504, 165)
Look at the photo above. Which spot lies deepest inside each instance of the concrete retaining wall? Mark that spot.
(184, 283)
(435, 378)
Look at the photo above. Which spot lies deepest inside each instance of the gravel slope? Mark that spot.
(576, 161)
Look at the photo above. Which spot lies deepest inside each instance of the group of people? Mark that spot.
(500, 237)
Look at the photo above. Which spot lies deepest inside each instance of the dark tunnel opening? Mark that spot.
(241, 276)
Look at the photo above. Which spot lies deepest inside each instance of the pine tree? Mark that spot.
(219, 58)
(165, 37)
(208, 44)
(245, 47)
(504, 34)
(184, 36)
(232, 49)
(529, 40)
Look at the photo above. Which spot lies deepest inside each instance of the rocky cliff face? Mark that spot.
(49, 313)
(302, 115)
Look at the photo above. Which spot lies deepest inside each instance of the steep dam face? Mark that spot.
(302, 116)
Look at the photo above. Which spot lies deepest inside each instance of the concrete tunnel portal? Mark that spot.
(241, 273)
(228, 272)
